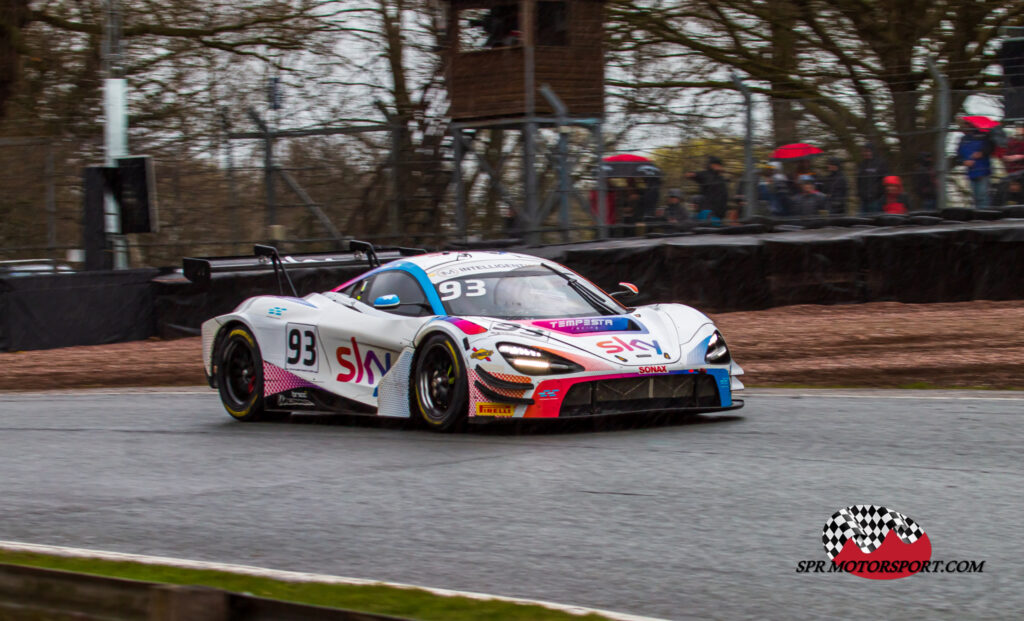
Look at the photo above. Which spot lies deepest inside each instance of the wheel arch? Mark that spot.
(443, 327)
(218, 340)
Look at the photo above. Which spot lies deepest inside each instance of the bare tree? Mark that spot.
(856, 68)
(14, 14)
(58, 41)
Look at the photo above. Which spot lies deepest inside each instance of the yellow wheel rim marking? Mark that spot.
(248, 339)
(416, 385)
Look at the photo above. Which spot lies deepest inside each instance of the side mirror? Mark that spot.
(628, 290)
(387, 301)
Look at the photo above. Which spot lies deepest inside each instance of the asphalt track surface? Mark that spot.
(689, 518)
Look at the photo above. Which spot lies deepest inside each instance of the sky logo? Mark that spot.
(360, 365)
(617, 345)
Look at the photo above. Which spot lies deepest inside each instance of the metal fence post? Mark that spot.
(229, 164)
(460, 190)
(942, 105)
(602, 185)
(394, 205)
(530, 206)
(750, 194)
(268, 163)
(51, 198)
(564, 185)
(268, 175)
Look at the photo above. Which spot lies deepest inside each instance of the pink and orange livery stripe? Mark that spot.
(467, 326)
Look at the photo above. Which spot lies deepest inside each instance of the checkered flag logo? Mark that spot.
(866, 526)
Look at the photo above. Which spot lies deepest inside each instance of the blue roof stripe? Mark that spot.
(420, 275)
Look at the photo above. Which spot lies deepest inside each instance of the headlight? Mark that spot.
(533, 361)
(718, 351)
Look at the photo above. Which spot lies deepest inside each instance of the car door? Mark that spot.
(364, 345)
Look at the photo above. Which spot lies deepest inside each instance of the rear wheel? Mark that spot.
(240, 375)
(440, 389)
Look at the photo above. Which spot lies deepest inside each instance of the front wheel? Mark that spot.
(440, 389)
(239, 375)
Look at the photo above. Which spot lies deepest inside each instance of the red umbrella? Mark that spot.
(626, 157)
(796, 151)
(983, 123)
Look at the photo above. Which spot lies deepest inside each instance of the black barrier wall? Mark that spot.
(947, 262)
(87, 308)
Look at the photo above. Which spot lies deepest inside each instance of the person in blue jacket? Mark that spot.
(975, 153)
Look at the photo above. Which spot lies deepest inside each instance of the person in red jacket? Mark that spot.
(894, 200)
(1013, 157)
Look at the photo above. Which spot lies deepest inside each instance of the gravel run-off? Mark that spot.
(884, 344)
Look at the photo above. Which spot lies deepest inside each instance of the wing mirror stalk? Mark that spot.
(628, 290)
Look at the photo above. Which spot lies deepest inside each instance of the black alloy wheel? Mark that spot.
(440, 389)
(239, 375)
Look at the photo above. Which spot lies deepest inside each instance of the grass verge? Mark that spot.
(400, 602)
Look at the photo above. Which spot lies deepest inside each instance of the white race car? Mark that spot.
(455, 336)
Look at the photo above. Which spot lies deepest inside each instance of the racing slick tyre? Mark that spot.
(440, 388)
(239, 375)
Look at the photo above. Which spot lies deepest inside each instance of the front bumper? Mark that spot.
(653, 393)
(687, 390)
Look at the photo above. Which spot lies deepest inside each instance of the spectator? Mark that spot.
(713, 188)
(975, 153)
(702, 215)
(1013, 158)
(693, 207)
(765, 190)
(670, 215)
(782, 192)
(870, 172)
(632, 212)
(763, 194)
(895, 200)
(802, 169)
(924, 183)
(1012, 191)
(674, 212)
(809, 202)
(739, 197)
(835, 188)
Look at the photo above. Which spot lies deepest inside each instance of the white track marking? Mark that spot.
(296, 576)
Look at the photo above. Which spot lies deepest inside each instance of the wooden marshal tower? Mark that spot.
(527, 66)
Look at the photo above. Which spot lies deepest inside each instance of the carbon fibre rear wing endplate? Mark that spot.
(200, 270)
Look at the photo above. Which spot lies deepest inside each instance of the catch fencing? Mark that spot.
(310, 189)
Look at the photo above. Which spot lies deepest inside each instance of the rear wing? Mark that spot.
(200, 270)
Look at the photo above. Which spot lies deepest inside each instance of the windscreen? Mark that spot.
(531, 292)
